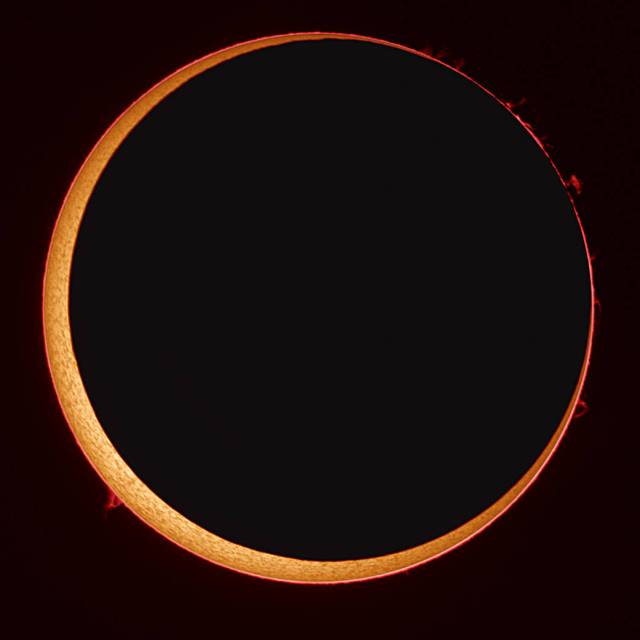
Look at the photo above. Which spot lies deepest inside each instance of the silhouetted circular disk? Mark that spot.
(330, 300)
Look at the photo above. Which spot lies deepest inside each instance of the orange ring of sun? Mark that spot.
(93, 440)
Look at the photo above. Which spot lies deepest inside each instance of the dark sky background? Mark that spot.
(563, 561)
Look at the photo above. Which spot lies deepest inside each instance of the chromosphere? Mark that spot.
(329, 300)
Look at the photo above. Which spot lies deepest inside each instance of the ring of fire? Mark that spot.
(113, 469)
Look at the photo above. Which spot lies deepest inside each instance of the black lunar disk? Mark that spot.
(330, 300)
